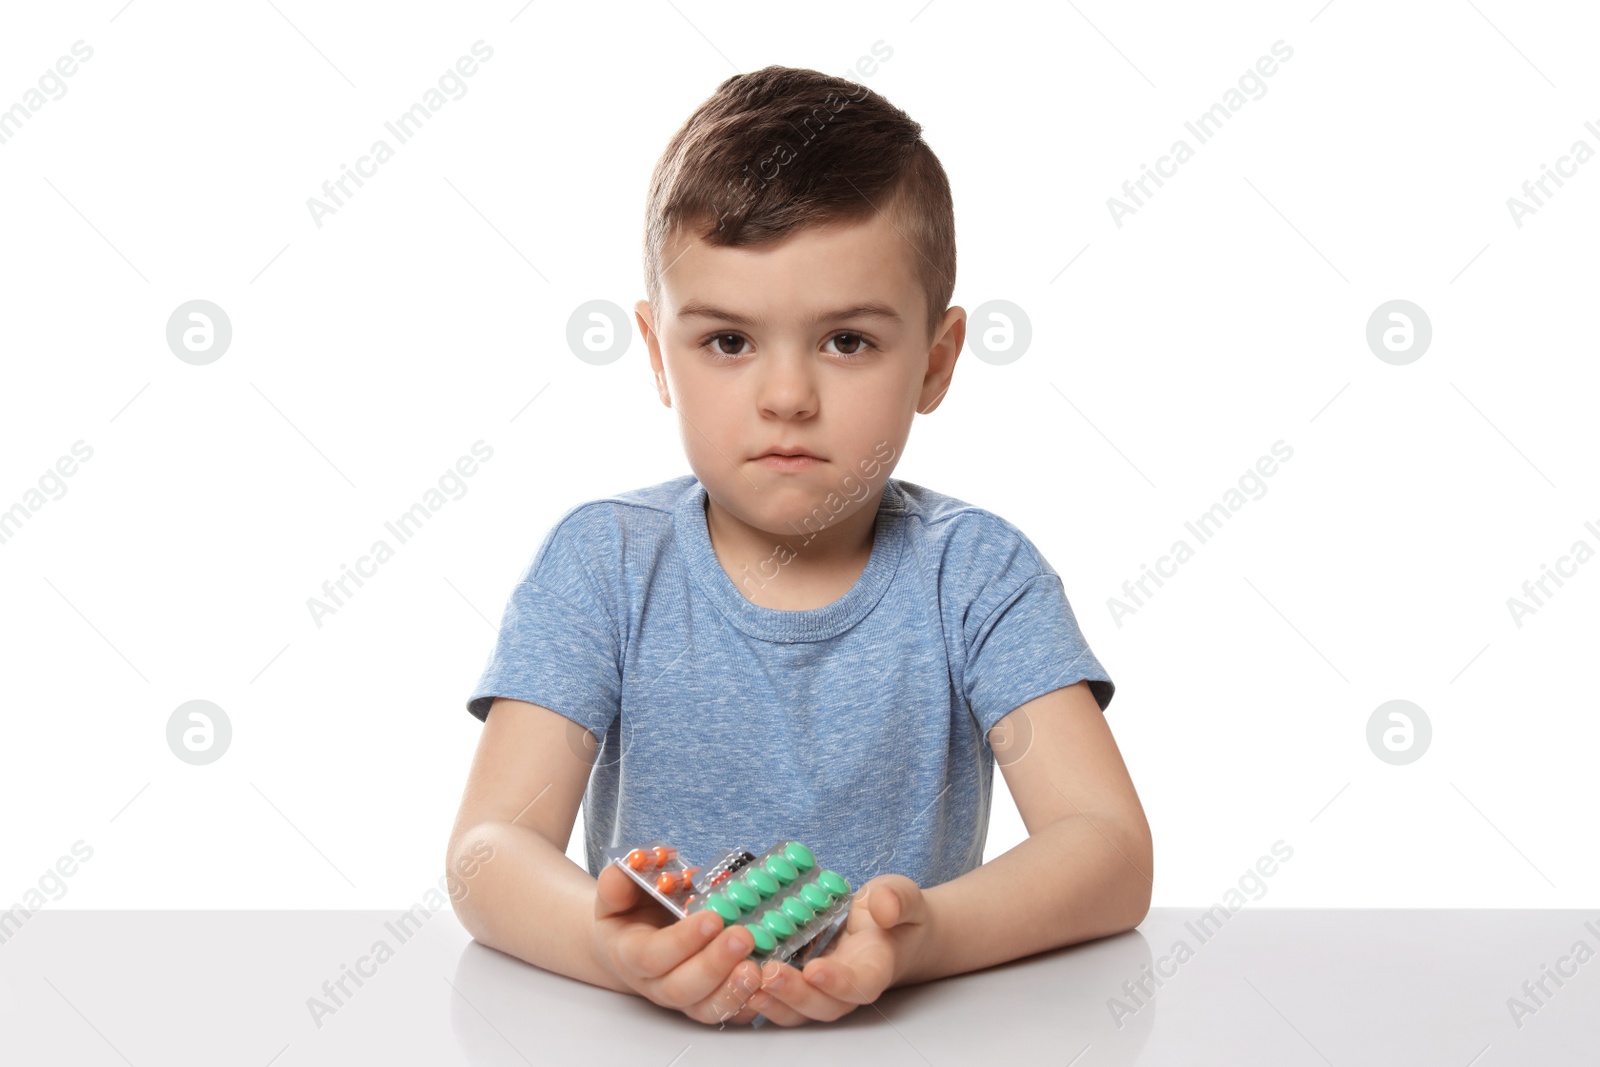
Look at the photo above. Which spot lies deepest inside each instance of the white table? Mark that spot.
(1283, 987)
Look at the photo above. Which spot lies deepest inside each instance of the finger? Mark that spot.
(745, 1016)
(728, 1001)
(704, 972)
(790, 987)
(655, 953)
(615, 892)
(742, 1018)
(776, 1011)
(895, 900)
(861, 981)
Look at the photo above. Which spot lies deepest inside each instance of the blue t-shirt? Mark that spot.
(858, 727)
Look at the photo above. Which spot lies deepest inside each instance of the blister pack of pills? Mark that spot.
(789, 902)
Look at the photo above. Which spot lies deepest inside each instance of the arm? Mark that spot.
(527, 899)
(1085, 870)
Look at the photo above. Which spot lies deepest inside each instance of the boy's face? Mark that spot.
(815, 343)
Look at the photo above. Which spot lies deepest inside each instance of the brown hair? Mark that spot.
(781, 148)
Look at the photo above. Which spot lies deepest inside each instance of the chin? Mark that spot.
(781, 512)
(815, 514)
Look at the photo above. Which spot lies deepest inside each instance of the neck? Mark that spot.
(797, 569)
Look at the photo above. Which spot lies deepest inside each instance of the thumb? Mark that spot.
(895, 900)
(614, 892)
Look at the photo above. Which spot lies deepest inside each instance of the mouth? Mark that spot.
(781, 450)
(788, 459)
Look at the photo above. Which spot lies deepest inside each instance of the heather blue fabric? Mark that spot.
(858, 728)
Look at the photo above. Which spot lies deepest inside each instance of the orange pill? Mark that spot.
(637, 860)
(668, 882)
(664, 854)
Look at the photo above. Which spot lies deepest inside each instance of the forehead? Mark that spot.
(826, 266)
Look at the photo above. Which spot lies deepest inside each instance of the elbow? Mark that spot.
(1138, 905)
(1131, 878)
(469, 851)
(1140, 882)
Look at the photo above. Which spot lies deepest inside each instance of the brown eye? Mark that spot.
(721, 341)
(850, 344)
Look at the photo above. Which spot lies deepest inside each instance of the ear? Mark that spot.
(647, 329)
(947, 342)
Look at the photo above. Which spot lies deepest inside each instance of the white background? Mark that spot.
(1225, 315)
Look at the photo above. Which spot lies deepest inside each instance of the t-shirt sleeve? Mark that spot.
(1023, 640)
(558, 645)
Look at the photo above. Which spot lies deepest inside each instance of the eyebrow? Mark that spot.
(871, 309)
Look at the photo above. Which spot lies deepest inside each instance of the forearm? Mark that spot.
(532, 902)
(1071, 881)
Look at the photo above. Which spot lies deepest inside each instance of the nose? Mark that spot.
(787, 388)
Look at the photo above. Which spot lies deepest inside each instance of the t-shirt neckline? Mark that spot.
(776, 624)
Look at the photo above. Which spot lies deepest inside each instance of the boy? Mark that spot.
(789, 643)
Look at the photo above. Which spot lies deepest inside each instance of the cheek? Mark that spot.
(870, 405)
(708, 406)
(706, 397)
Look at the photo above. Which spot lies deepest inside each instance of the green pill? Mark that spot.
(724, 907)
(798, 910)
(780, 926)
(765, 942)
(800, 856)
(762, 882)
(781, 869)
(742, 895)
(834, 883)
(815, 895)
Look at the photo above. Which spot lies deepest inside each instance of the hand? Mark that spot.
(676, 963)
(882, 938)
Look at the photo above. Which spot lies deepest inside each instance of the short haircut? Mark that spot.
(781, 148)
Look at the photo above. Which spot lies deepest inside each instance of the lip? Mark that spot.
(799, 462)
(788, 450)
